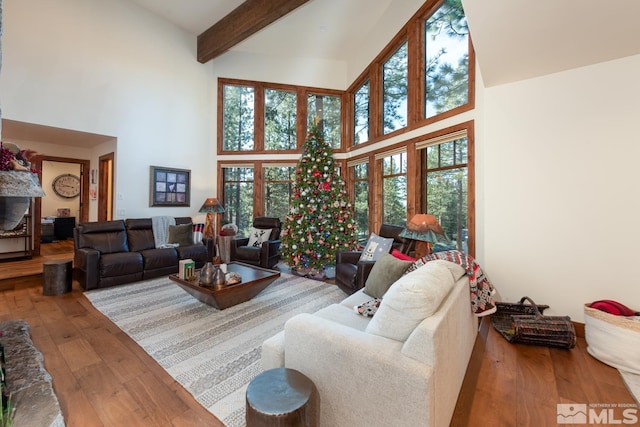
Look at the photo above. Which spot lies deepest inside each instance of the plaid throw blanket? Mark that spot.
(480, 288)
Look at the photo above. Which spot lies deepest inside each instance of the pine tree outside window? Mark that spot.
(361, 114)
(327, 110)
(360, 174)
(278, 188)
(395, 83)
(445, 187)
(238, 118)
(394, 189)
(446, 59)
(280, 114)
(238, 185)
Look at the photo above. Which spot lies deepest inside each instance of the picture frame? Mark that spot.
(169, 187)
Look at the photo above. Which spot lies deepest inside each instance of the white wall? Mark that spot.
(111, 68)
(52, 202)
(560, 173)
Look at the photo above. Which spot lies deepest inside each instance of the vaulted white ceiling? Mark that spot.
(514, 39)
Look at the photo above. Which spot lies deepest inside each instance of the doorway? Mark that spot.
(80, 212)
(105, 187)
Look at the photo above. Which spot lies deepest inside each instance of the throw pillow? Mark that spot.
(396, 253)
(258, 235)
(410, 300)
(383, 274)
(181, 234)
(375, 247)
(369, 308)
(198, 230)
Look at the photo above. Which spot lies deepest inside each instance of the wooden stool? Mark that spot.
(56, 277)
(282, 397)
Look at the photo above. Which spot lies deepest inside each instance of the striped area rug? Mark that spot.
(213, 353)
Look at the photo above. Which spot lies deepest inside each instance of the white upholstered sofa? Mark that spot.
(366, 378)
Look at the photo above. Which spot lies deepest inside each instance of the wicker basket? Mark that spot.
(612, 339)
(525, 324)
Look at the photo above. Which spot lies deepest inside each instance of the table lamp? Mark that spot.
(212, 207)
(425, 229)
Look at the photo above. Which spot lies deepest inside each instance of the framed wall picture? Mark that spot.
(169, 187)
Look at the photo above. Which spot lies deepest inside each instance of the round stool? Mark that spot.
(56, 277)
(282, 397)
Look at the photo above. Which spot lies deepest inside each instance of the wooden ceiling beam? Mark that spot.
(244, 21)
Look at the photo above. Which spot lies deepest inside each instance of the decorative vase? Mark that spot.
(207, 274)
(218, 277)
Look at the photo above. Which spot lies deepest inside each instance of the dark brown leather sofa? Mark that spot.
(110, 253)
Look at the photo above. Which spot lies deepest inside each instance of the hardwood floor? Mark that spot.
(103, 378)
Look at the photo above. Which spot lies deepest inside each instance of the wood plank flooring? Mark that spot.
(103, 378)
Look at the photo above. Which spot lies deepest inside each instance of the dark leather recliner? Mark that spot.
(352, 274)
(268, 254)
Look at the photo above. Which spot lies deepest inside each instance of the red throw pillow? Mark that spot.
(613, 307)
(396, 253)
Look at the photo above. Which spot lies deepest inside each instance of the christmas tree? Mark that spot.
(320, 222)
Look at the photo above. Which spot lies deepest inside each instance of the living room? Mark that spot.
(542, 112)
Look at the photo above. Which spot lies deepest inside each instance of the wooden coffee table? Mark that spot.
(254, 280)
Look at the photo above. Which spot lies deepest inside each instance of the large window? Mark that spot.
(238, 118)
(361, 114)
(445, 187)
(446, 59)
(238, 197)
(394, 189)
(278, 186)
(279, 120)
(285, 111)
(394, 88)
(360, 201)
(327, 110)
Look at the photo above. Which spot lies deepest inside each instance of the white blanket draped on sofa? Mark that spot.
(160, 225)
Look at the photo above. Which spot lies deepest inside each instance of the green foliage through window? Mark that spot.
(238, 197)
(395, 76)
(361, 114)
(394, 189)
(361, 200)
(446, 189)
(279, 120)
(278, 187)
(327, 111)
(238, 118)
(447, 59)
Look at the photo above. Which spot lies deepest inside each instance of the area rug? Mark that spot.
(213, 353)
(633, 383)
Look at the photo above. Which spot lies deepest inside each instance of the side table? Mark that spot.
(282, 397)
(224, 245)
(56, 277)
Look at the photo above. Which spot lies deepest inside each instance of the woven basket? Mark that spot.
(612, 339)
(525, 324)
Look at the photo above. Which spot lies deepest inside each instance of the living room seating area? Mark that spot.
(110, 253)
(403, 366)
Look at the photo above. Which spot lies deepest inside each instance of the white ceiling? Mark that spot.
(514, 39)
(329, 29)
(521, 39)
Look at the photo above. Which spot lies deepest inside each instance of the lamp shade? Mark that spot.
(212, 205)
(424, 227)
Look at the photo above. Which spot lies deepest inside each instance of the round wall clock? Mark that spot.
(66, 185)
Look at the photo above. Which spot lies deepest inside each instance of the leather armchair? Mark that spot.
(352, 274)
(268, 254)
